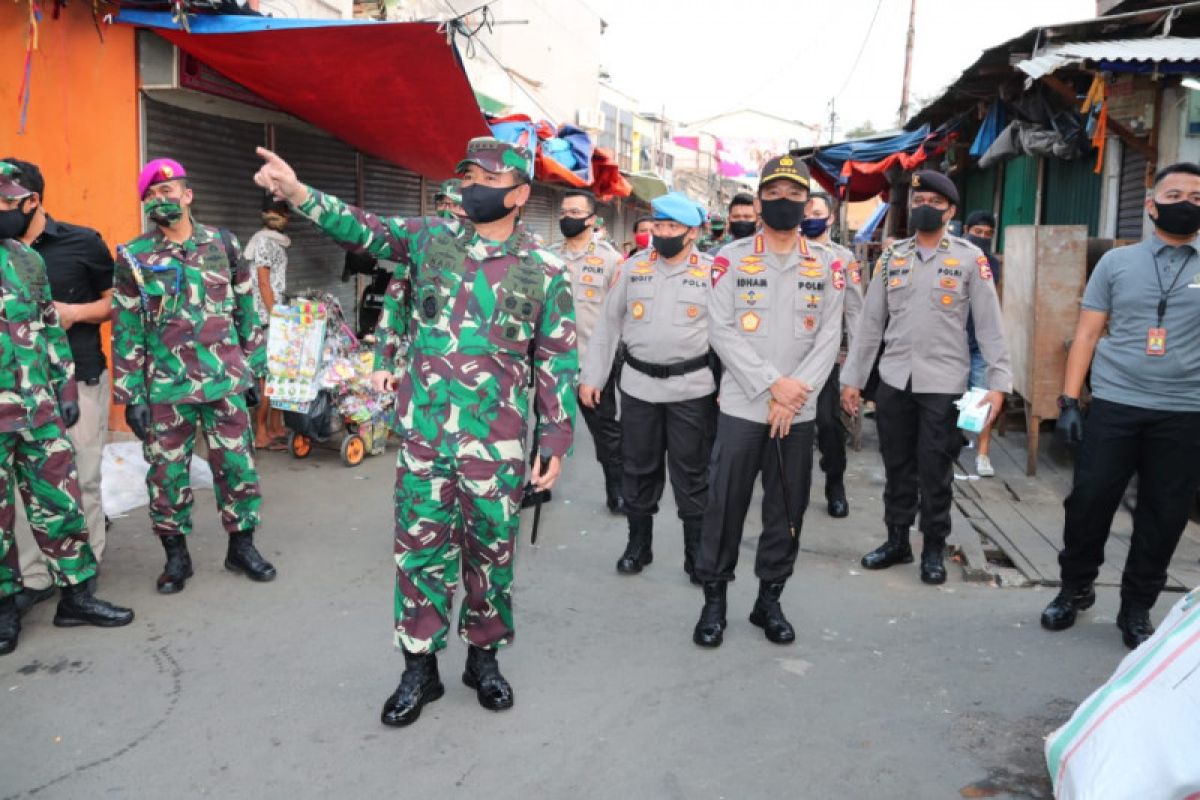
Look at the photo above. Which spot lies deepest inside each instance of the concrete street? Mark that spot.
(232, 689)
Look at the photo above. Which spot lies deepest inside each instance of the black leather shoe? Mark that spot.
(178, 567)
(10, 625)
(1060, 614)
(28, 598)
(78, 606)
(1135, 625)
(637, 552)
(710, 629)
(420, 684)
(692, 528)
(614, 477)
(835, 496)
(896, 550)
(933, 561)
(482, 674)
(768, 614)
(244, 557)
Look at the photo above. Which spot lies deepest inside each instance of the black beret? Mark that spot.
(981, 217)
(926, 180)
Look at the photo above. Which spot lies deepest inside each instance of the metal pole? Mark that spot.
(902, 116)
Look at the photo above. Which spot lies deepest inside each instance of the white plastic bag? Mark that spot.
(1138, 735)
(972, 416)
(123, 477)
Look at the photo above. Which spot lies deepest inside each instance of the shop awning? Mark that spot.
(1163, 54)
(394, 90)
(856, 170)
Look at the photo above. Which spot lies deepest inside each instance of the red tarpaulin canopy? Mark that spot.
(393, 90)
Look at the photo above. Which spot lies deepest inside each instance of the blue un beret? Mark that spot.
(679, 207)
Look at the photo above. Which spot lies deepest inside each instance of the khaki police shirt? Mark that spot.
(924, 302)
(591, 270)
(773, 316)
(660, 311)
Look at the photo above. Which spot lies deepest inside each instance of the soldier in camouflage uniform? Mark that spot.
(188, 352)
(490, 312)
(38, 402)
(448, 200)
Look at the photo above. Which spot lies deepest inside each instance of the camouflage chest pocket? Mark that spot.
(215, 281)
(21, 299)
(20, 307)
(520, 296)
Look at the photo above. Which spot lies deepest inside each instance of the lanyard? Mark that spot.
(1164, 294)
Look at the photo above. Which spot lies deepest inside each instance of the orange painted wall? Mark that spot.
(82, 128)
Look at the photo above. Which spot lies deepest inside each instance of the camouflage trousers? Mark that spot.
(168, 451)
(41, 463)
(454, 515)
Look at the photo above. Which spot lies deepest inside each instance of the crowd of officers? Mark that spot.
(715, 368)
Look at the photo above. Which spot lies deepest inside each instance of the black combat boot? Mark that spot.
(420, 684)
(692, 527)
(28, 598)
(933, 564)
(637, 553)
(710, 629)
(1060, 614)
(1135, 625)
(896, 550)
(10, 625)
(482, 674)
(244, 557)
(179, 564)
(614, 477)
(835, 497)
(77, 605)
(768, 614)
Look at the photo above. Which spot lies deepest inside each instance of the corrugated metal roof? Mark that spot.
(1157, 50)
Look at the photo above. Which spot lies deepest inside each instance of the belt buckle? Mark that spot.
(661, 371)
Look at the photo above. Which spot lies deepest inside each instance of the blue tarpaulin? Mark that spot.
(993, 123)
(830, 159)
(864, 233)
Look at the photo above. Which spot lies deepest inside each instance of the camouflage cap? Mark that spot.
(10, 181)
(497, 156)
(716, 220)
(451, 190)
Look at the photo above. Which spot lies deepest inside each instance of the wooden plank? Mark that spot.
(966, 540)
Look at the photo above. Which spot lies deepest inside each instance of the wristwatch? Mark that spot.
(1065, 402)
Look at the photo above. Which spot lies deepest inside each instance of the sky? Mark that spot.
(699, 58)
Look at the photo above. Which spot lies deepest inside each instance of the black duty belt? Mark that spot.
(663, 371)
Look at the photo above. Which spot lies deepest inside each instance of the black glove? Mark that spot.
(252, 398)
(137, 417)
(70, 413)
(1069, 427)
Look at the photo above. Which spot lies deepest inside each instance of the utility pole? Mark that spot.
(902, 115)
(833, 117)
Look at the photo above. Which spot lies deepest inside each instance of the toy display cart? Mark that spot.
(320, 377)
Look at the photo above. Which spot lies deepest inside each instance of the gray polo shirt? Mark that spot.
(1123, 286)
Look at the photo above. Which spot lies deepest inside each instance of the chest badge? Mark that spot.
(950, 262)
(595, 261)
(750, 322)
(810, 322)
(590, 293)
(638, 309)
(751, 297)
(894, 282)
(947, 299)
(693, 312)
(751, 268)
(949, 283)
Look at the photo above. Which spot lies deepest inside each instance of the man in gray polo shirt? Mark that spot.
(1145, 413)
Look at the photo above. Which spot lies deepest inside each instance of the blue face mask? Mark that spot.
(812, 228)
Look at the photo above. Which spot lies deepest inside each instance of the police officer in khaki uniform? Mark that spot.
(658, 306)
(917, 307)
(775, 320)
(819, 214)
(592, 264)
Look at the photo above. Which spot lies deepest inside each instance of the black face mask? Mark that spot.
(740, 229)
(926, 219)
(782, 214)
(669, 246)
(485, 204)
(14, 223)
(1178, 219)
(572, 227)
(982, 242)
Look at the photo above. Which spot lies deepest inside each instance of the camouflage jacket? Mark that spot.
(484, 314)
(184, 325)
(36, 370)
